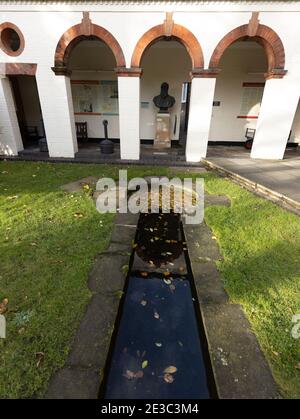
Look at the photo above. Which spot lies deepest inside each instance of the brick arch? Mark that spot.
(264, 36)
(176, 31)
(85, 30)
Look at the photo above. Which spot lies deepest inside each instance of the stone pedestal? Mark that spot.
(163, 137)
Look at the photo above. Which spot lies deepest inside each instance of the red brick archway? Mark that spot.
(264, 36)
(169, 29)
(85, 30)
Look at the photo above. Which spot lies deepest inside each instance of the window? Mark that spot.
(11, 39)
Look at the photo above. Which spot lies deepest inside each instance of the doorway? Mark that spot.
(28, 111)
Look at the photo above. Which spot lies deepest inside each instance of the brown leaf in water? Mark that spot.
(144, 274)
(170, 370)
(139, 374)
(169, 378)
(129, 375)
(156, 315)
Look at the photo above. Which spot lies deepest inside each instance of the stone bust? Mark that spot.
(164, 101)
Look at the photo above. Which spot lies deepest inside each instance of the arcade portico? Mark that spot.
(230, 66)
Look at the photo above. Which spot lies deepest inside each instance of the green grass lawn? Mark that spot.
(49, 239)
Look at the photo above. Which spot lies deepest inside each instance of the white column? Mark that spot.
(58, 114)
(10, 136)
(277, 111)
(129, 116)
(201, 104)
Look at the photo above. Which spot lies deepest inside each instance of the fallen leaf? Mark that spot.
(129, 375)
(156, 315)
(78, 215)
(143, 303)
(3, 306)
(144, 274)
(40, 357)
(169, 378)
(158, 344)
(170, 370)
(144, 364)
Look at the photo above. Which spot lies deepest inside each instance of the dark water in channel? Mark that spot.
(158, 351)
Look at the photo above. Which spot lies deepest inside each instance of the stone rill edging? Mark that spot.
(273, 196)
(239, 367)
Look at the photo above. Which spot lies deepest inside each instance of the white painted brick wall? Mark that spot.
(43, 25)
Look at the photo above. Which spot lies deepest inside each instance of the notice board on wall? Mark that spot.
(95, 97)
(251, 100)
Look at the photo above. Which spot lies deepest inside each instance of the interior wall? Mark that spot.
(165, 61)
(93, 60)
(242, 62)
(31, 103)
(169, 61)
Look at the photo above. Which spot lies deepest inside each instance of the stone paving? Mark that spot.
(281, 176)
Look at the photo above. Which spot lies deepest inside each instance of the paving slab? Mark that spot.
(123, 233)
(77, 186)
(91, 343)
(240, 369)
(74, 383)
(282, 176)
(108, 273)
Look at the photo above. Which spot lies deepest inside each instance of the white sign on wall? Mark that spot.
(95, 97)
(251, 100)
